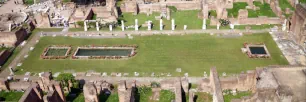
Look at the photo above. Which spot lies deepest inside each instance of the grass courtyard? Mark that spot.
(161, 54)
(188, 17)
(265, 10)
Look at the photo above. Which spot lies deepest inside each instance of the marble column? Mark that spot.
(136, 24)
(204, 24)
(97, 26)
(122, 25)
(161, 24)
(185, 27)
(85, 25)
(173, 24)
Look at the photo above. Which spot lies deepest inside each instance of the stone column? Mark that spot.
(284, 25)
(204, 24)
(185, 27)
(110, 27)
(10, 27)
(85, 25)
(136, 24)
(218, 26)
(149, 25)
(122, 25)
(97, 26)
(173, 24)
(161, 24)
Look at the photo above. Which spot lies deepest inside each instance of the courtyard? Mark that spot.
(193, 54)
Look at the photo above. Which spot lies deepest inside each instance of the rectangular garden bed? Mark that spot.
(56, 52)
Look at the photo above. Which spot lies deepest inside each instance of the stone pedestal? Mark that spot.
(185, 27)
(122, 25)
(172, 24)
(161, 24)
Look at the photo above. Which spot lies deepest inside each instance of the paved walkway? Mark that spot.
(31, 43)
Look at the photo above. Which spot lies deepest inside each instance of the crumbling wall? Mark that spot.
(126, 94)
(242, 82)
(90, 93)
(216, 85)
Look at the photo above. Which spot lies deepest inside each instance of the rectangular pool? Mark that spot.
(103, 52)
(258, 50)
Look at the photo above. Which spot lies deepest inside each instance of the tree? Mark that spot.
(65, 78)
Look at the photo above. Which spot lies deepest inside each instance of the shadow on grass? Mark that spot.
(75, 92)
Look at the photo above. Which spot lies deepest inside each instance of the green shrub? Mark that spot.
(224, 22)
(80, 23)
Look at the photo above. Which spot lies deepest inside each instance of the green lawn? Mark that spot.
(265, 10)
(229, 97)
(194, 53)
(302, 1)
(236, 7)
(10, 96)
(143, 95)
(166, 96)
(203, 97)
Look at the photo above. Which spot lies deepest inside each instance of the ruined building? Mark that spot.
(298, 25)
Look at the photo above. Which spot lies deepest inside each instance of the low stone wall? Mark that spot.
(251, 21)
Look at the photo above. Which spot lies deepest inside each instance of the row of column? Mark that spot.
(161, 26)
